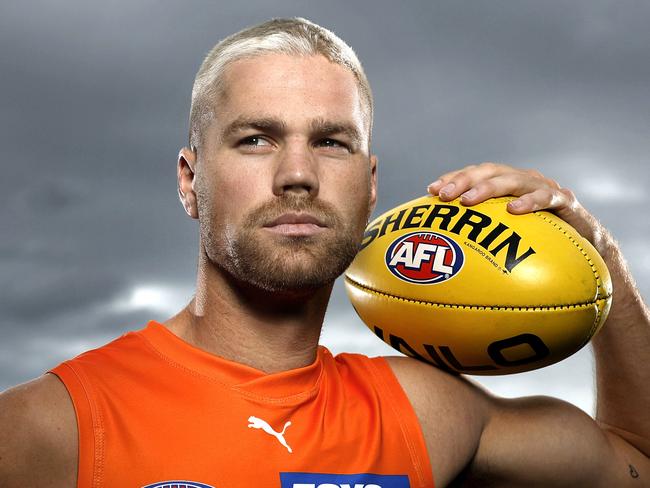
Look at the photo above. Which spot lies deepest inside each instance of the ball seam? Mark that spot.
(599, 282)
(594, 270)
(474, 307)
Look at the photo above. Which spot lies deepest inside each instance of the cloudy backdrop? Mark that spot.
(94, 99)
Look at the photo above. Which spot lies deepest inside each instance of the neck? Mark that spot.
(269, 331)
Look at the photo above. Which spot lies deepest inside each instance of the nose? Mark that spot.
(296, 171)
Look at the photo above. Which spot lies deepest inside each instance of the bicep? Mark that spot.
(541, 441)
(38, 443)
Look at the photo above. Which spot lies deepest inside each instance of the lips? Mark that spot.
(295, 219)
(296, 225)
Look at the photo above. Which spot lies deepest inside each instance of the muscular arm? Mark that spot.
(38, 436)
(545, 442)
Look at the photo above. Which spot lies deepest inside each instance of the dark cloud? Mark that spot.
(94, 102)
(51, 292)
(27, 352)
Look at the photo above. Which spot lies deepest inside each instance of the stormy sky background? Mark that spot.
(94, 100)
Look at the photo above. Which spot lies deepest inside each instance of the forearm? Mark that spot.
(622, 352)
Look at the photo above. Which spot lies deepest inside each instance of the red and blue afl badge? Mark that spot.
(424, 258)
(178, 484)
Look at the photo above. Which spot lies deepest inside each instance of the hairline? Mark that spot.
(294, 37)
(221, 91)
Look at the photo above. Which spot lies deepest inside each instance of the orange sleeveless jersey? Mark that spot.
(154, 411)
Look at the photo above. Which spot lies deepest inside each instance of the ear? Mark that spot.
(373, 182)
(185, 172)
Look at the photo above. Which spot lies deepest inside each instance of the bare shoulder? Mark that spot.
(452, 412)
(38, 429)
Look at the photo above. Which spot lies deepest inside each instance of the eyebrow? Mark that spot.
(319, 126)
(241, 123)
(323, 127)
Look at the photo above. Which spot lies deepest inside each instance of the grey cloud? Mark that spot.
(53, 291)
(94, 104)
(28, 352)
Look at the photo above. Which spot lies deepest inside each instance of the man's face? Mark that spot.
(284, 182)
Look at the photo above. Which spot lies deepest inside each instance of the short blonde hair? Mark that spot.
(294, 36)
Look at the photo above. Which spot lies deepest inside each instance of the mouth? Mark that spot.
(296, 224)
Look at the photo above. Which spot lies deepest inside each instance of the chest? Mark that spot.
(237, 441)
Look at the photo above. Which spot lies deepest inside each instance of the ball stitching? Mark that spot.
(599, 283)
(471, 307)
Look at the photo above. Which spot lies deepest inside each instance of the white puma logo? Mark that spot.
(257, 423)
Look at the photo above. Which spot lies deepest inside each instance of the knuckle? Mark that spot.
(447, 176)
(486, 187)
(568, 193)
(538, 200)
(547, 198)
(570, 198)
(490, 165)
(557, 199)
(527, 202)
(550, 197)
(534, 173)
(461, 179)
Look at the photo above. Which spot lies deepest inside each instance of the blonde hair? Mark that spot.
(293, 36)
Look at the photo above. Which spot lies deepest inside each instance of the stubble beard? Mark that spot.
(294, 265)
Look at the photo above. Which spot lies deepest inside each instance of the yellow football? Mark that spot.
(478, 290)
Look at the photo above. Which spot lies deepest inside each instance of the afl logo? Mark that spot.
(424, 258)
(178, 484)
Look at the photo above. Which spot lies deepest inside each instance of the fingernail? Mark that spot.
(435, 183)
(469, 194)
(515, 203)
(447, 189)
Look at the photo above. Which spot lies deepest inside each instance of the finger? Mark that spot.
(435, 187)
(460, 181)
(459, 174)
(540, 199)
(516, 183)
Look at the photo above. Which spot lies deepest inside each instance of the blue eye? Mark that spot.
(331, 143)
(254, 141)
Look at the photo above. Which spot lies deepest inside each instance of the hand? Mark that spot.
(476, 183)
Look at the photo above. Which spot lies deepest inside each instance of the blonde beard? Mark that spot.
(294, 264)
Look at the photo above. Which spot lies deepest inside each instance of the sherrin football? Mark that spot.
(478, 290)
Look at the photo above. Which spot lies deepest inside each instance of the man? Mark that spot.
(235, 391)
